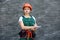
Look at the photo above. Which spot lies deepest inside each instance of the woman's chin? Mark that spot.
(27, 13)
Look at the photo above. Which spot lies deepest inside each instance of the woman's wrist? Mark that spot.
(30, 28)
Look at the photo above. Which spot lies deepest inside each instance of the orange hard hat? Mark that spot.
(27, 5)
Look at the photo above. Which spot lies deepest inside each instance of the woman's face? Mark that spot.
(27, 10)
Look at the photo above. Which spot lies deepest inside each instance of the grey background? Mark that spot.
(47, 13)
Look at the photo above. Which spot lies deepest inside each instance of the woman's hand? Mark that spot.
(34, 28)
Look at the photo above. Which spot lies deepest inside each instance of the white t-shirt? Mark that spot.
(20, 18)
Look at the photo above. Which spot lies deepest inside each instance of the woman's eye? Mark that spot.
(24, 9)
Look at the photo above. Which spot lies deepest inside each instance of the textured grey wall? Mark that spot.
(47, 13)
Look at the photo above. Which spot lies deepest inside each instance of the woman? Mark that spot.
(27, 22)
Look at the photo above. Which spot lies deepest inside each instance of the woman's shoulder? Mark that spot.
(20, 18)
(33, 16)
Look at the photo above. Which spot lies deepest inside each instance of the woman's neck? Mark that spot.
(27, 15)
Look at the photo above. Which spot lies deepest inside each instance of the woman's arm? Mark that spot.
(25, 27)
(35, 27)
